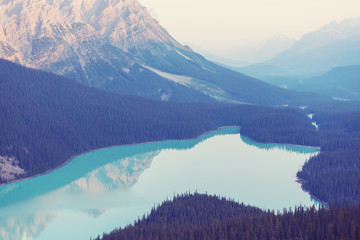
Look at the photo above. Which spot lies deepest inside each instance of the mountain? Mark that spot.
(333, 45)
(275, 45)
(117, 46)
(341, 83)
(222, 61)
(271, 48)
(249, 54)
(67, 38)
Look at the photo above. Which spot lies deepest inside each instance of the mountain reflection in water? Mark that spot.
(107, 188)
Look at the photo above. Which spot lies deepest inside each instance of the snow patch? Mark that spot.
(349, 91)
(206, 88)
(165, 97)
(315, 125)
(206, 69)
(310, 116)
(183, 80)
(186, 57)
(125, 70)
(340, 99)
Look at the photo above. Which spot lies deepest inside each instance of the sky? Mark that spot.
(228, 26)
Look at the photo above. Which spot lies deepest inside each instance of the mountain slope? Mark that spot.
(340, 83)
(333, 45)
(46, 119)
(117, 46)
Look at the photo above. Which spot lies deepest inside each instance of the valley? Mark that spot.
(105, 117)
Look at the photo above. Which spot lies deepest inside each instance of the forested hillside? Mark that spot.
(334, 175)
(277, 128)
(208, 217)
(46, 119)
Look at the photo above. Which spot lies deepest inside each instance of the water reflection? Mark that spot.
(86, 163)
(121, 174)
(108, 188)
(286, 147)
(94, 213)
(24, 227)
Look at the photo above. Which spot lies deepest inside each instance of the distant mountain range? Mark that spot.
(222, 61)
(333, 45)
(341, 83)
(117, 46)
(247, 55)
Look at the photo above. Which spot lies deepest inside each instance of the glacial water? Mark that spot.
(107, 188)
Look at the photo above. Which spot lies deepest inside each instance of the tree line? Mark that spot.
(199, 216)
(334, 175)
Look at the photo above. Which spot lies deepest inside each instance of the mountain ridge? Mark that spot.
(334, 45)
(117, 46)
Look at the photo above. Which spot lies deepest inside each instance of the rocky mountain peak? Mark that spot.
(348, 29)
(116, 45)
(123, 23)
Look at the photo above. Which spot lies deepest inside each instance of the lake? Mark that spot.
(111, 187)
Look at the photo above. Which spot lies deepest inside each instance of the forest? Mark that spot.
(46, 119)
(334, 175)
(199, 216)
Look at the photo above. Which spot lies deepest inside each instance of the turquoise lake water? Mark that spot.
(107, 188)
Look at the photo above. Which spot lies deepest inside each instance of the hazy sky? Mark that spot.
(222, 26)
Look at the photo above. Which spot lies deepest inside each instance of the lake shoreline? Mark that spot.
(301, 181)
(127, 181)
(298, 180)
(129, 144)
(273, 143)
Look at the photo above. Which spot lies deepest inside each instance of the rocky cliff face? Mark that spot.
(39, 33)
(100, 43)
(125, 23)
